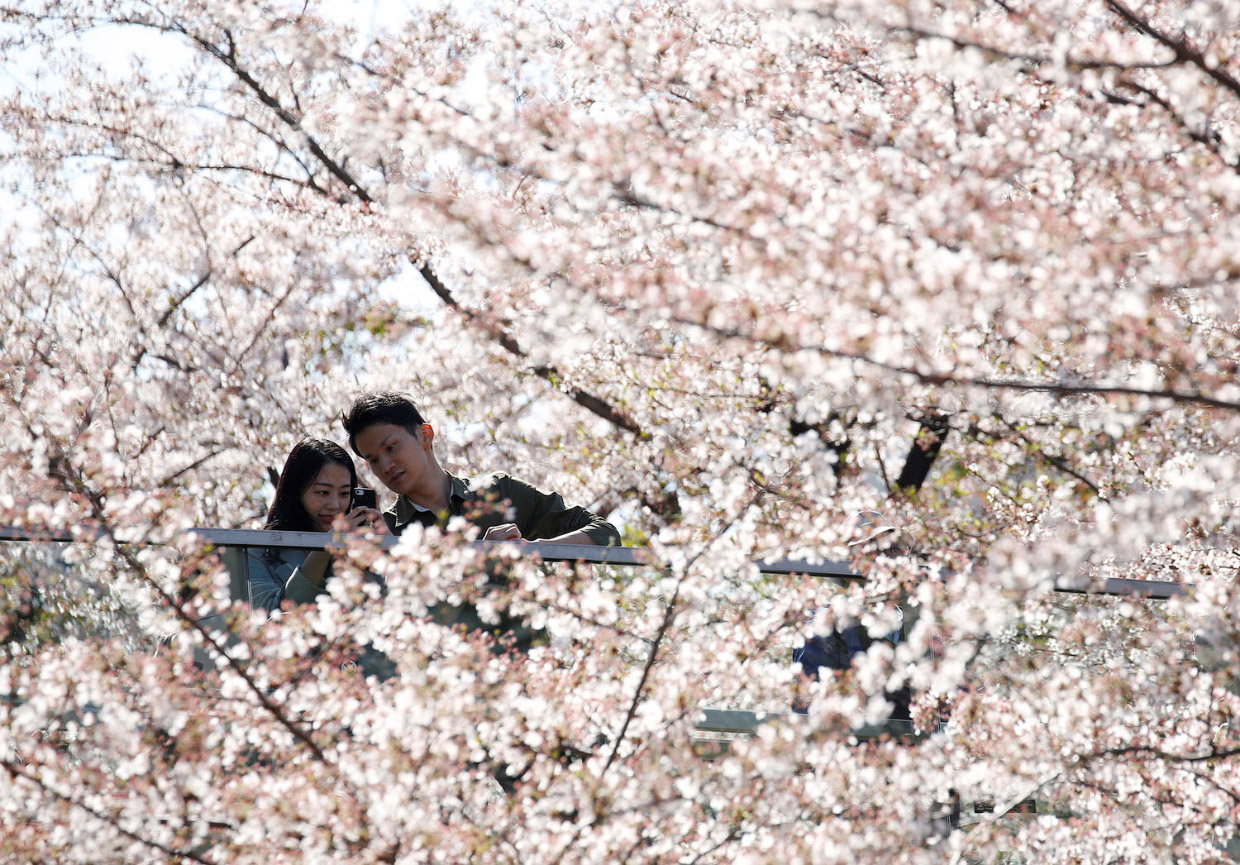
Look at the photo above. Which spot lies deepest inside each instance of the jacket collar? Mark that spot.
(407, 512)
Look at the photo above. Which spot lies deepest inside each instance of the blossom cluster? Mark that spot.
(725, 271)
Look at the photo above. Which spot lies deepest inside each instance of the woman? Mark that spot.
(314, 491)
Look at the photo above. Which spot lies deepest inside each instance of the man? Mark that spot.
(388, 431)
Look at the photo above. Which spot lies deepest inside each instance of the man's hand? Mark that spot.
(503, 532)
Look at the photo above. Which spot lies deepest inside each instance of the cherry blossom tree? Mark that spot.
(730, 272)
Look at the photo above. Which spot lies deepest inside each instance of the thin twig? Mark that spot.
(17, 774)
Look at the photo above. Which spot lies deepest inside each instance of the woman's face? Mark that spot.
(327, 495)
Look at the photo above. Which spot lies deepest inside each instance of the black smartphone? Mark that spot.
(364, 497)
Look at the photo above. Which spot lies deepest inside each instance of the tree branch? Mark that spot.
(551, 374)
(589, 401)
(1031, 59)
(669, 616)
(229, 59)
(71, 480)
(1054, 460)
(1151, 751)
(931, 434)
(1184, 53)
(1206, 137)
(783, 343)
(174, 855)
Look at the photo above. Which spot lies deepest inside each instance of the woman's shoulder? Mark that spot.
(275, 556)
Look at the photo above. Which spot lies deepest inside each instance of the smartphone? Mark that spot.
(364, 497)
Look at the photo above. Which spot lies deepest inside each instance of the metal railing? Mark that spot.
(623, 556)
(233, 544)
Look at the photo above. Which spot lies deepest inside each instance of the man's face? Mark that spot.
(399, 459)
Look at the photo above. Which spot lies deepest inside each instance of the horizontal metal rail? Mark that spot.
(622, 556)
(747, 721)
(548, 552)
(1159, 590)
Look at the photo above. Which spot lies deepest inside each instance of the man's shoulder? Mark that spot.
(488, 482)
(499, 486)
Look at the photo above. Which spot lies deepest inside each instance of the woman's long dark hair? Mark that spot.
(303, 465)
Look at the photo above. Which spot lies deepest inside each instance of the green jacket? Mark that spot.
(496, 498)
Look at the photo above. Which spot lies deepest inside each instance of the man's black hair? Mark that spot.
(381, 407)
